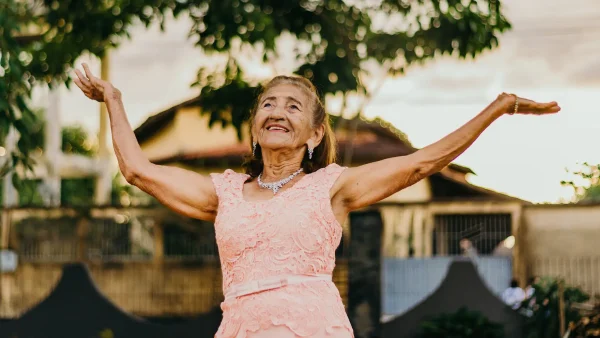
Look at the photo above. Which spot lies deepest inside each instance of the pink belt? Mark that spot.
(247, 288)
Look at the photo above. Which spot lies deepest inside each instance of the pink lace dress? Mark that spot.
(293, 233)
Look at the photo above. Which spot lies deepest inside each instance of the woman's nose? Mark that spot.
(277, 114)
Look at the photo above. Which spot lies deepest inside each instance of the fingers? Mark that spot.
(79, 84)
(546, 108)
(82, 79)
(88, 73)
(93, 81)
(86, 90)
(551, 107)
(83, 83)
(529, 105)
(554, 109)
(83, 87)
(96, 82)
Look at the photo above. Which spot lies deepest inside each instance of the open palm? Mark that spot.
(529, 107)
(94, 87)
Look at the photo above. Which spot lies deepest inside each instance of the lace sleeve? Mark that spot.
(332, 173)
(225, 184)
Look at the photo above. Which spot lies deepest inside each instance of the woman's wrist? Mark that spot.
(507, 103)
(113, 95)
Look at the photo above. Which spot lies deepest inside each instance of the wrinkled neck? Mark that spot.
(279, 165)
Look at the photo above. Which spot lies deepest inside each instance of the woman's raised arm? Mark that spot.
(183, 191)
(370, 183)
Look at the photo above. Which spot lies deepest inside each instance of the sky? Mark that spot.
(552, 54)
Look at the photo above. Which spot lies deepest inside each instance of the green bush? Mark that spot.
(461, 324)
(545, 320)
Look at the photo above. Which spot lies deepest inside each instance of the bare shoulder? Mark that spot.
(341, 181)
(338, 193)
(364, 185)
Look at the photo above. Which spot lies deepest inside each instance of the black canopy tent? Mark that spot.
(77, 309)
(462, 287)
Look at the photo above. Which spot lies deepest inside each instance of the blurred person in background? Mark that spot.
(278, 224)
(468, 250)
(513, 296)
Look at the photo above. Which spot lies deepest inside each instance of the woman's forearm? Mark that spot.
(127, 149)
(438, 155)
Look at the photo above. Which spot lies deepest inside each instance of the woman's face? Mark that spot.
(284, 119)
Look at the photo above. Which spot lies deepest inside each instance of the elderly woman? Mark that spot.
(278, 224)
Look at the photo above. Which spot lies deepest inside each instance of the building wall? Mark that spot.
(565, 231)
(189, 132)
(162, 144)
(419, 192)
(562, 241)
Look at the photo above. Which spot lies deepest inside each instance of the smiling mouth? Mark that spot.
(277, 128)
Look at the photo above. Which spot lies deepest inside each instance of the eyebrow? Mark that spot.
(289, 98)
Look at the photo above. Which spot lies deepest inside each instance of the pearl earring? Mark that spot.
(310, 153)
(253, 148)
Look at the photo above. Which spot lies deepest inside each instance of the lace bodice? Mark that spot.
(294, 232)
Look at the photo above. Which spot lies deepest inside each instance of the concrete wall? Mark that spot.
(565, 231)
(563, 242)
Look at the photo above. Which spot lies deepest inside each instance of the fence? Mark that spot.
(166, 259)
(485, 232)
(152, 264)
(581, 272)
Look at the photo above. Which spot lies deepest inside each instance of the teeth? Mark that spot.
(276, 128)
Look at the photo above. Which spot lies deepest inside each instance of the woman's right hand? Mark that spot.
(526, 106)
(95, 88)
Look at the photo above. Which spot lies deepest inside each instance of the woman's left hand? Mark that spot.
(526, 106)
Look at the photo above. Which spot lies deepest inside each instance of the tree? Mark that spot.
(335, 41)
(586, 183)
(74, 140)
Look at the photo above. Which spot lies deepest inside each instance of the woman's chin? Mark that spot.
(275, 142)
(275, 145)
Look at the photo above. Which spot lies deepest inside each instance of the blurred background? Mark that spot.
(396, 75)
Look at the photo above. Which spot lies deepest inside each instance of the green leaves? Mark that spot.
(338, 39)
(334, 41)
(545, 320)
(464, 323)
(586, 182)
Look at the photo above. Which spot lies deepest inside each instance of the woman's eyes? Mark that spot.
(293, 106)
